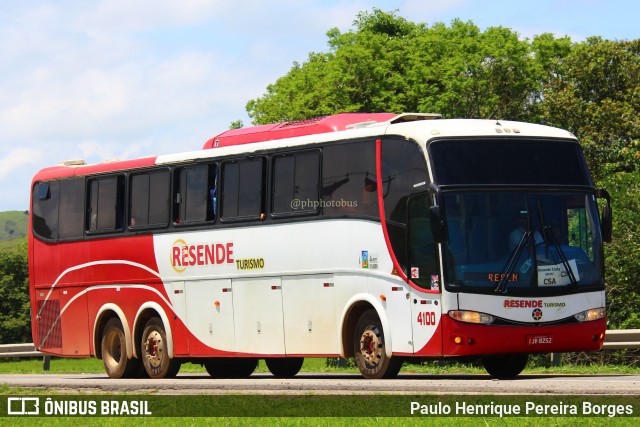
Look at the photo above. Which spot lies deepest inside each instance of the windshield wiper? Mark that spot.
(511, 264)
(547, 231)
(549, 236)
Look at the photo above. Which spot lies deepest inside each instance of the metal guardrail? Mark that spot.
(19, 350)
(24, 350)
(621, 339)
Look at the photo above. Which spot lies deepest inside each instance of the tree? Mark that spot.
(236, 124)
(387, 63)
(594, 94)
(15, 321)
(622, 266)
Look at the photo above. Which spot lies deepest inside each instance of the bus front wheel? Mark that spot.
(505, 366)
(370, 351)
(284, 367)
(155, 356)
(231, 367)
(114, 351)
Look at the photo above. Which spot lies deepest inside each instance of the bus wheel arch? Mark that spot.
(104, 315)
(354, 309)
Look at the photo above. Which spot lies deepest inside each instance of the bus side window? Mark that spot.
(423, 256)
(242, 189)
(106, 204)
(194, 187)
(404, 173)
(45, 209)
(349, 180)
(71, 208)
(295, 181)
(149, 206)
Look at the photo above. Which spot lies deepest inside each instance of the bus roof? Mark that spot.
(335, 123)
(417, 126)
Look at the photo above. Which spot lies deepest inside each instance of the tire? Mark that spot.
(155, 357)
(370, 351)
(231, 367)
(284, 367)
(505, 366)
(114, 351)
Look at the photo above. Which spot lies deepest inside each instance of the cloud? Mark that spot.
(116, 16)
(17, 158)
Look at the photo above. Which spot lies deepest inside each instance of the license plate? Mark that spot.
(539, 339)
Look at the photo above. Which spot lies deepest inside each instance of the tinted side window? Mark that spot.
(349, 179)
(423, 254)
(45, 199)
(105, 208)
(71, 209)
(195, 196)
(404, 172)
(295, 183)
(150, 199)
(243, 189)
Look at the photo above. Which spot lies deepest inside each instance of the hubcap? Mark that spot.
(371, 347)
(154, 349)
(114, 349)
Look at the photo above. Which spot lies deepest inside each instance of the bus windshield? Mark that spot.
(522, 243)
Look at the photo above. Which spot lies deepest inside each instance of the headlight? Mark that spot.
(471, 317)
(589, 315)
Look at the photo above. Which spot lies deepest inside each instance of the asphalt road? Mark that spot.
(336, 384)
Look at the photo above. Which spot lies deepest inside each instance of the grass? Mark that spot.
(316, 421)
(319, 365)
(78, 366)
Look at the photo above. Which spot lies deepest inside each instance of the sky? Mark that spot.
(119, 79)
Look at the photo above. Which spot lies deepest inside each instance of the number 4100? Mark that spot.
(426, 318)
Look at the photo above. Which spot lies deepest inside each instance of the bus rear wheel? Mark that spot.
(231, 367)
(284, 367)
(155, 356)
(370, 350)
(505, 366)
(114, 351)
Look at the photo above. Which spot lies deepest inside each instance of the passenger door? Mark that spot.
(424, 272)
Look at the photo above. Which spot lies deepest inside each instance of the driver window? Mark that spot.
(424, 269)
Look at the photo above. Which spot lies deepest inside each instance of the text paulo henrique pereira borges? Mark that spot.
(526, 408)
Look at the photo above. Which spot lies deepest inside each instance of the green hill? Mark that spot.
(13, 225)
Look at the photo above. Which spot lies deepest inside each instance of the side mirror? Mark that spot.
(606, 220)
(438, 229)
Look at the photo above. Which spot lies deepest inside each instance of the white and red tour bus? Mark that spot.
(379, 236)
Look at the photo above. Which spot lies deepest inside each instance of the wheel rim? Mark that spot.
(154, 349)
(113, 349)
(371, 346)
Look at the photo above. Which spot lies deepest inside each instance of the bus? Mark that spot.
(378, 236)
